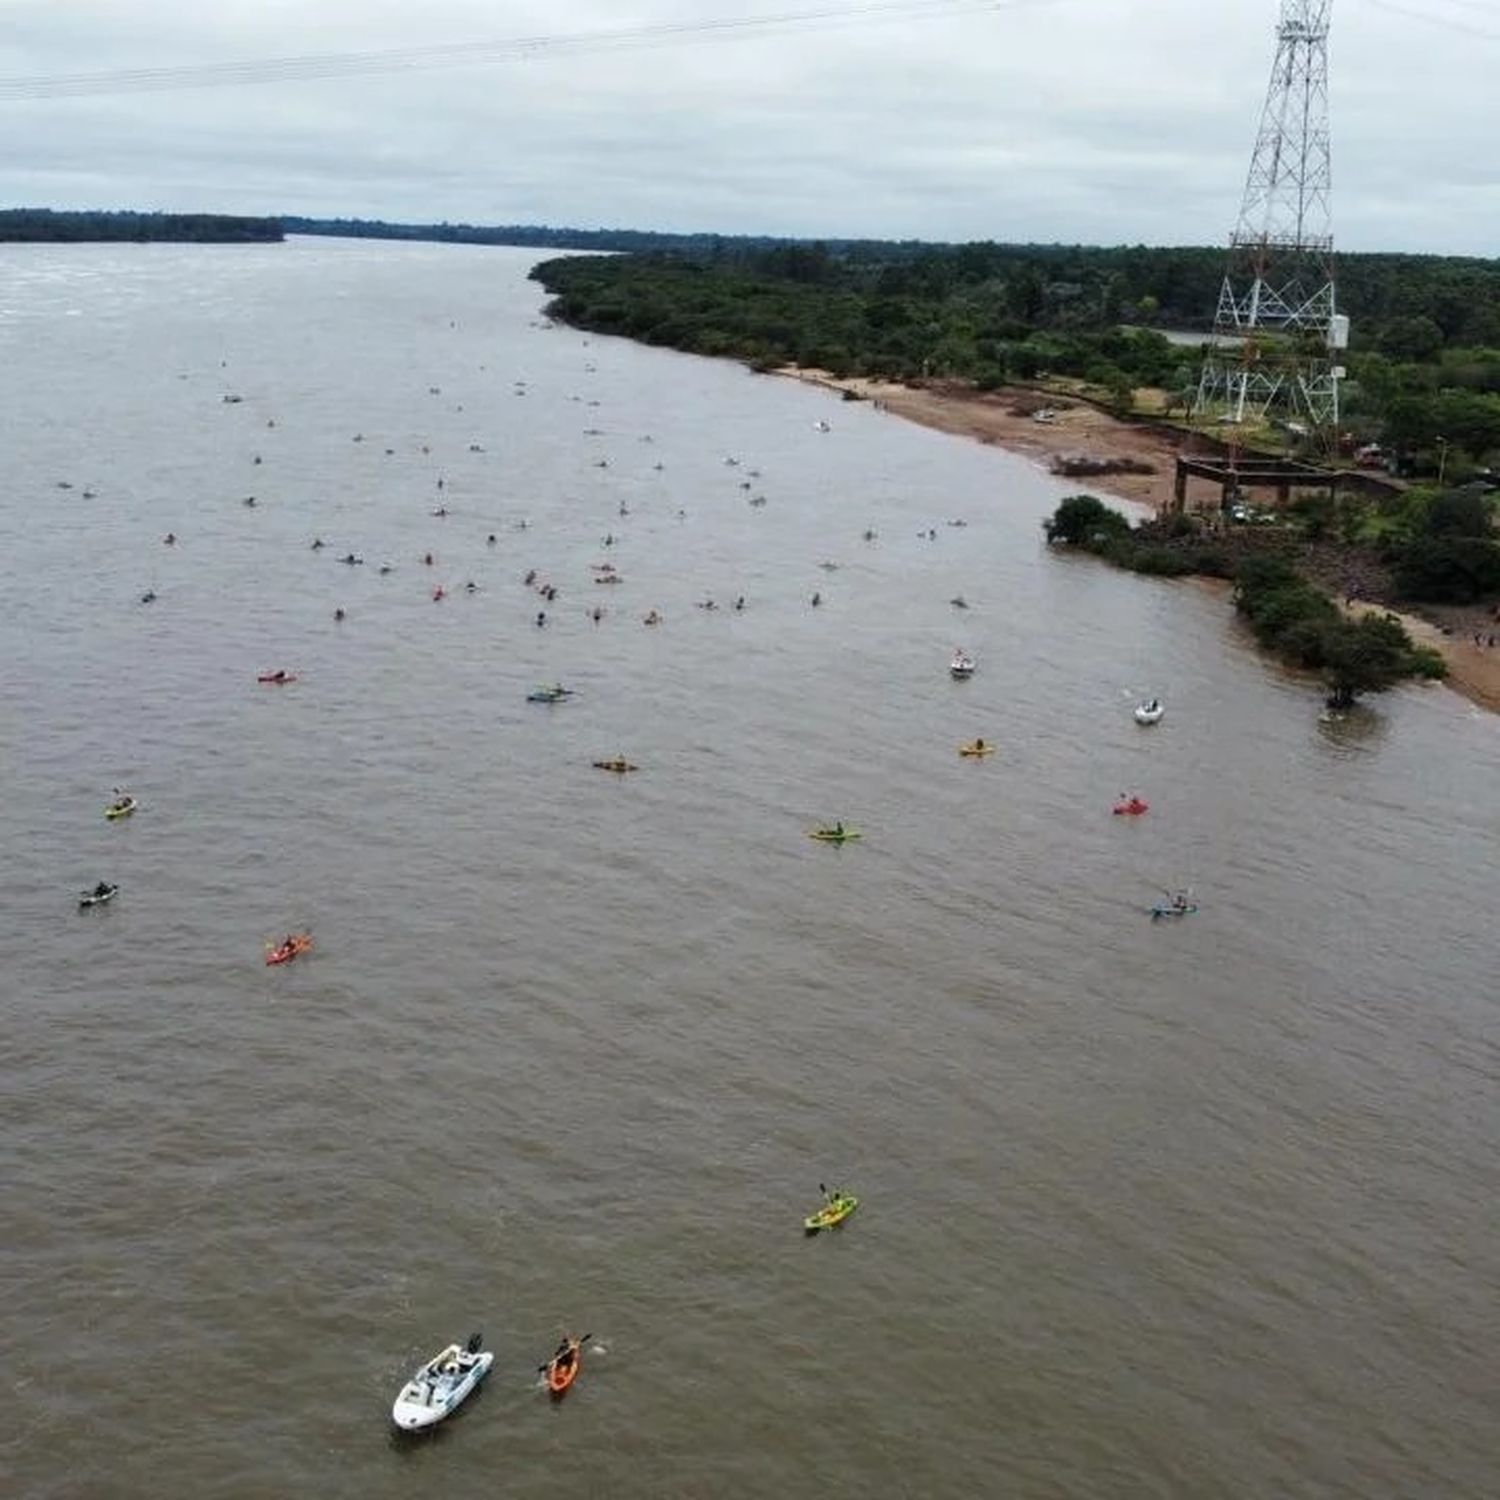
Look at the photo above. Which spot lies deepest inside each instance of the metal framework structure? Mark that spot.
(1277, 331)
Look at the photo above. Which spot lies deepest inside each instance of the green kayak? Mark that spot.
(833, 1213)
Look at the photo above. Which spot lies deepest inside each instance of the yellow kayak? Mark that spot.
(121, 809)
(978, 748)
(835, 835)
(833, 1213)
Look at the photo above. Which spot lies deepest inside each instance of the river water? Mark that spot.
(1191, 1209)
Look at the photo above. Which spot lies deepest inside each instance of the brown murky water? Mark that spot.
(1204, 1209)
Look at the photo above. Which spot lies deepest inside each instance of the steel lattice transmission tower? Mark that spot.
(1277, 331)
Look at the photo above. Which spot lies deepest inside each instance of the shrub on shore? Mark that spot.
(1301, 624)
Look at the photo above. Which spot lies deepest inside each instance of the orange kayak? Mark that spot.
(561, 1375)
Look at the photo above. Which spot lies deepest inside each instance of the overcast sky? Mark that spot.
(1102, 121)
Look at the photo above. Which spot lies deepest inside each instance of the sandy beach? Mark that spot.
(1473, 664)
(1006, 418)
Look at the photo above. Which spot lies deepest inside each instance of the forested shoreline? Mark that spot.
(63, 226)
(1423, 368)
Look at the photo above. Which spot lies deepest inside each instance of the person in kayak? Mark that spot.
(102, 889)
(565, 1355)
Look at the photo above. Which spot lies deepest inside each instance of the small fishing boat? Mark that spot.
(1149, 712)
(1173, 909)
(101, 895)
(441, 1386)
(962, 665)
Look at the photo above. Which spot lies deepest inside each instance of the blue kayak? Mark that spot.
(1162, 909)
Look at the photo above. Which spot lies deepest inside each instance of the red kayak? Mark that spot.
(285, 952)
(1131, 809)
(277, 677)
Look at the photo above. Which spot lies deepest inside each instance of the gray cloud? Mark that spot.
(1094, 120)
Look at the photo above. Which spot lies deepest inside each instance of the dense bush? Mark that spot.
(1161, 562)
(1448, 569)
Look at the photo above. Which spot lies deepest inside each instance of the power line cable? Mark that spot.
(1445, 23)
(337, 65)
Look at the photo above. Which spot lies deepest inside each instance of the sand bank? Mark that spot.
(1006, 419)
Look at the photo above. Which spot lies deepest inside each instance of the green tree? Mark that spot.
(1084, 519)
(1367, 655)
(1414, 339)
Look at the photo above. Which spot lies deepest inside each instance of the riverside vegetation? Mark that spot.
(1290, 613)
(1424, 366)
(52, 225)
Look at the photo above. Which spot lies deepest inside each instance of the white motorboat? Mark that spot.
(962, 665)
(1149, 712)
(441, 1386)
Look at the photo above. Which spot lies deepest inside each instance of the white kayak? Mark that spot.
(1149, 713)
(441, 1386)
(962, 665)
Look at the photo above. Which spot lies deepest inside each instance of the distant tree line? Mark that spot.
(54, 224)
(557, 237)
